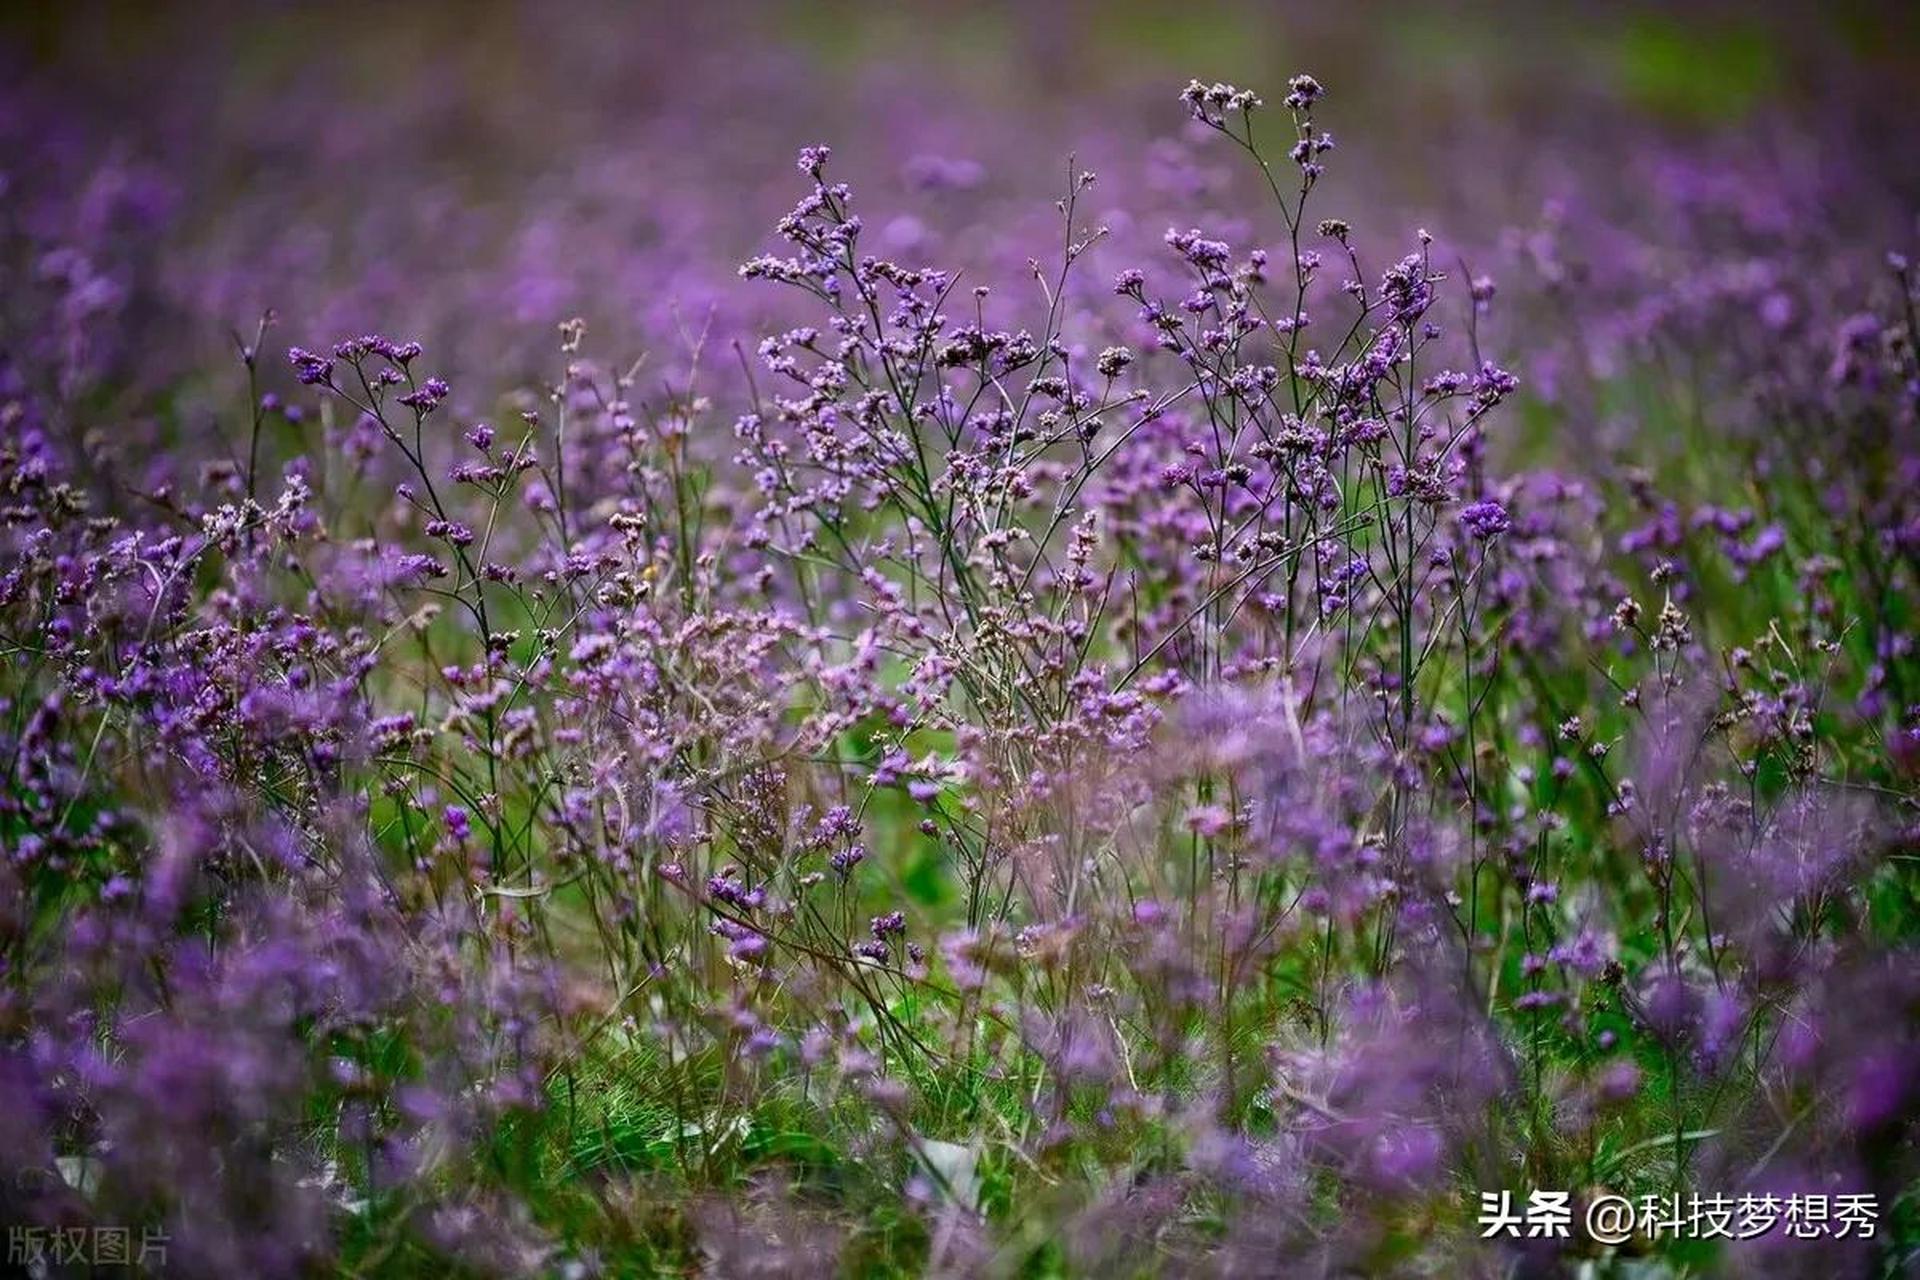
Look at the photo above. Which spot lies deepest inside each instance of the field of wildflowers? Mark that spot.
(1082, 683)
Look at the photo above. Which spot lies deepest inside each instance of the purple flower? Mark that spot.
(1485, 520)
(312, 370)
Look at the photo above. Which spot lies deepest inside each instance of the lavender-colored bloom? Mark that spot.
(1485, 520)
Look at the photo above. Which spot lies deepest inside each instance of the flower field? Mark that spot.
(883, 641)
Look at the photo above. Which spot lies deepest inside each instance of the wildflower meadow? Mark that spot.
(875, 641)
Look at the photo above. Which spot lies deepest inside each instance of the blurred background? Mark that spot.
(471, 174)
